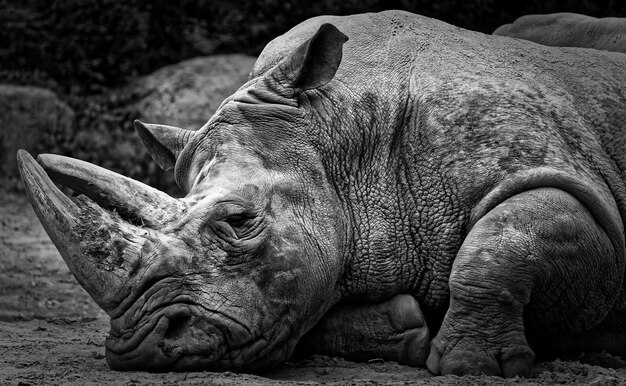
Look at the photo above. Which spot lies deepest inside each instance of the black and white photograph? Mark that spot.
(289, 192)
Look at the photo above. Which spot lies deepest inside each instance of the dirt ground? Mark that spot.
(51, 332)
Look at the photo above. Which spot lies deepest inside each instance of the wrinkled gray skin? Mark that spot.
(569, 30)
(482, 176)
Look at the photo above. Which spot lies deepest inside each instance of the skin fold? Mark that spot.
(381, 180)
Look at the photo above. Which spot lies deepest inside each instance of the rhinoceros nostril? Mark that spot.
(178, 323)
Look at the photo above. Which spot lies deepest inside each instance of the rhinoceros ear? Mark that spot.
(163, 142)
(316, 61)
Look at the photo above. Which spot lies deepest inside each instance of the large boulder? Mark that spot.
(28, 116)
(183, 94)
(187, 93)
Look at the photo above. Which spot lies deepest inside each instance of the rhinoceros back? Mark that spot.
(578, 94)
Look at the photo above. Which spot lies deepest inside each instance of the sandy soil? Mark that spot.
(51, 332)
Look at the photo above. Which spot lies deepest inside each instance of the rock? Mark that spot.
(186, 94)
(29, 115)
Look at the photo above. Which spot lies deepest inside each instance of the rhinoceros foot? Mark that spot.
(462, 348)
(394, 330)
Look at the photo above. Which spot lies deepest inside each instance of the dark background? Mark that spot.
(86, 51)
(80, 46)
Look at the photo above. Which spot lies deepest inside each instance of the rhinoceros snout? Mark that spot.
(177, 339)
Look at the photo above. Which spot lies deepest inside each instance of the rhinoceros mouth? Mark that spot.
(183, 337)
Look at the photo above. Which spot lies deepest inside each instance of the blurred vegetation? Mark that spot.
(88, 50)
(80, 46)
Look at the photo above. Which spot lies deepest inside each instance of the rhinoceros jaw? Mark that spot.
(101, 249)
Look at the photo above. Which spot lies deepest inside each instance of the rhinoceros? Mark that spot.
(566, 29)
(379, 174)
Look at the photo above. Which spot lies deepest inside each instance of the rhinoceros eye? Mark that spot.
(238, 220)
(235, 219)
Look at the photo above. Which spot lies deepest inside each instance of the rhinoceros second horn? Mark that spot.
(132, 199)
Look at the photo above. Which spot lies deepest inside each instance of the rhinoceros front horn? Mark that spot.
(101, 233)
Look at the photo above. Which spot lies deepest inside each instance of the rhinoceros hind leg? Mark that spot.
(538, 264)
(394, 330)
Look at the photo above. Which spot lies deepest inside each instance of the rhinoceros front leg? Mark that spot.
(537, 263)
(394, 330)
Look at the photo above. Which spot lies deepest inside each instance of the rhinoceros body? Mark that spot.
(371, 161)
(569, 30)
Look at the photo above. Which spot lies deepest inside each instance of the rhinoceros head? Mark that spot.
(234, 273)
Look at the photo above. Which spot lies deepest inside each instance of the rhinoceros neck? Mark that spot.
(407, 226)
(405, 218)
